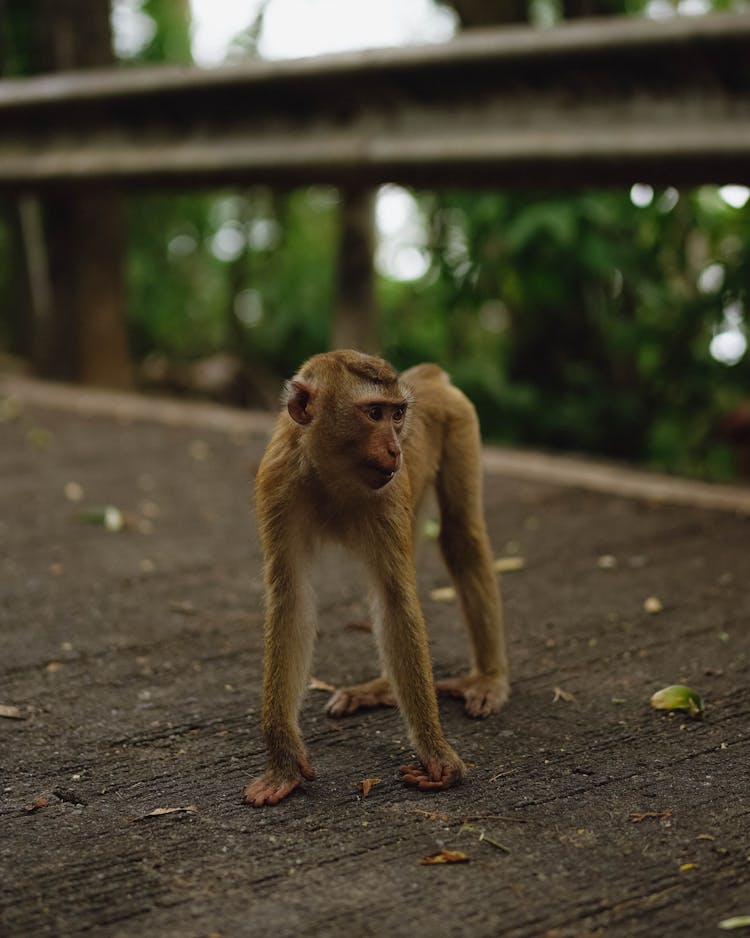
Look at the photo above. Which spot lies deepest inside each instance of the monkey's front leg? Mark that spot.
(402, 636)
(288, 640)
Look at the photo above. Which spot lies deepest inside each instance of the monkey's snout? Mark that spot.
(380, 474)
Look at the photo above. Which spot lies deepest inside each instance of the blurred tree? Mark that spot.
(489, 12)
(73, 239)
(16, 326)
(355, 313)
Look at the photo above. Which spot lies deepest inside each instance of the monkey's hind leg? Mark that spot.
(347, 700)
(466, 549)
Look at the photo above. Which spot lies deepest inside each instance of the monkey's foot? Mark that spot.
(272, 787)
(482, 693)
(435, 774)
(347, 700)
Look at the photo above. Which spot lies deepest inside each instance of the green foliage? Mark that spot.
(251, 272)
(171, 39)
(573, 321)
(578, 321)
(16, 32)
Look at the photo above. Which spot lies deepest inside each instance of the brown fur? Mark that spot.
(352, 458)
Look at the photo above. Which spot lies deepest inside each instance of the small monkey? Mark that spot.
(354, 452)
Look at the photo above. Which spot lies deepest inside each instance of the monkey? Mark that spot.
(355, 450)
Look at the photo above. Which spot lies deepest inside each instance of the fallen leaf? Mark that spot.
(508, 564)
(73, 491)
(444, 856)
(160, 812)
(10, 713)
(653, 605)
(199, 450)
(637, 816)
(737, 921)
(108, 517)
(565, 695)
(443, 594)
(367, 784)
(315, 684)
(53, 666)
(686, 867)
(678, 697)
(41, 801)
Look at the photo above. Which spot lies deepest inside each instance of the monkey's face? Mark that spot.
(378, 455)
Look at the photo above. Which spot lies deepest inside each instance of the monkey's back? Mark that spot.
(442, 416)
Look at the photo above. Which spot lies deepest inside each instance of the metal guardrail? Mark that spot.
(585, 103)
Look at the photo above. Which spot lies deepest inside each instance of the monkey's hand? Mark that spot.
(273, 786)
(435, 774)
(483, 694)
(347, 700)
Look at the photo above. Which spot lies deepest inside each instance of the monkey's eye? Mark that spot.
(375, 412)
(398, 414)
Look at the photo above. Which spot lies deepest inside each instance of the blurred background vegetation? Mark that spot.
(612, 322)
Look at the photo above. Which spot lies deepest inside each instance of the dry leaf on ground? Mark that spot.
(637, 816)
(565, 695)
(443, 594)
(367, 785)
(444, 856)
(508, 564)
(160, 812)
(41, 801)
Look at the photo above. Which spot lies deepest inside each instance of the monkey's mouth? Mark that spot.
(377, 476)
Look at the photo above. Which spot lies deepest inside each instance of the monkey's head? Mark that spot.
(351, 411)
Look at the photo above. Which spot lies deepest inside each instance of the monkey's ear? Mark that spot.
(299, 396)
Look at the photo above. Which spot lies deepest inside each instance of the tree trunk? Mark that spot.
(490, 12)
(355, 323)
(84, 336)
(575, 9)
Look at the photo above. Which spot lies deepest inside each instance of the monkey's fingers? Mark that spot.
(266, 791)
(347, 700)
(482, 695)
(342, 704)
(444, 776)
